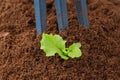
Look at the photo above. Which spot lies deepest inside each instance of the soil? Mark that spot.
(21, 58)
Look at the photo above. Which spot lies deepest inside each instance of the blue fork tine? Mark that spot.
(40, 15)
(82, 12)
(61, 10)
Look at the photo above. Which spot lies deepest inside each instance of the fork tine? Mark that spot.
(40, 15)
(82, 12)
(61, 10)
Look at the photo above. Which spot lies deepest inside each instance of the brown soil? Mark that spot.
(21, 58)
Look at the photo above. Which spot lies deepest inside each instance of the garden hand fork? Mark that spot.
(61, 10)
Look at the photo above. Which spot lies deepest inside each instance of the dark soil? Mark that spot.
(21, 58)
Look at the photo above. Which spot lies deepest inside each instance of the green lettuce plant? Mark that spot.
(54, 44)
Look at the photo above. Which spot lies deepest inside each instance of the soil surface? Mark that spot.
(21, 58)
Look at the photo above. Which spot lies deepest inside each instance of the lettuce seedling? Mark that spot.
(52, 44)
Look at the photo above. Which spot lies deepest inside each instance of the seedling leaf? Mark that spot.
(52, 44)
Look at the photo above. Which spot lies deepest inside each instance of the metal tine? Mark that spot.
(40, 15)
(82, 13)
(62, 17)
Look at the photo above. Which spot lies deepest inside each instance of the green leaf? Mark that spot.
(74, 50)
(52, 44)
